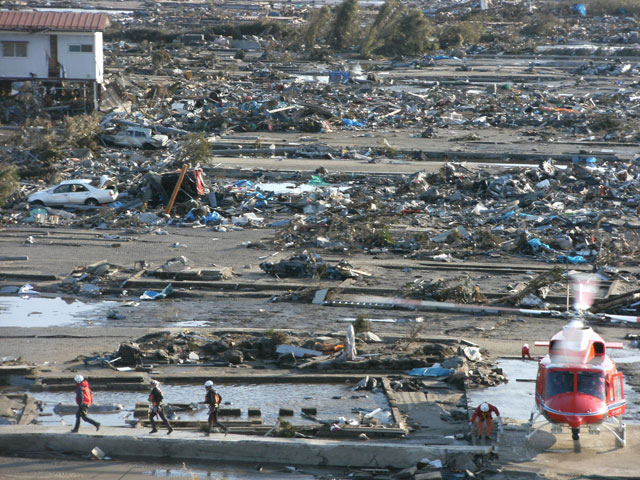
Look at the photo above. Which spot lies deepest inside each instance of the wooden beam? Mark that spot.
(176, 189)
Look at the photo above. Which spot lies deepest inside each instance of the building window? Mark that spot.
(85, 48)
(14, 49)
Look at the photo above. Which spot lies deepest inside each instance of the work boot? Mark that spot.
(97, 427)
(169, 431)
(75, 430)
(226, 431)
(155, 430)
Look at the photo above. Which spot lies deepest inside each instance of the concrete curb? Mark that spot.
(119, 442)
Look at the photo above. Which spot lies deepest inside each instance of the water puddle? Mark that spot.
(516, 399)
(331, 400)
(34, 311)
(192, 324)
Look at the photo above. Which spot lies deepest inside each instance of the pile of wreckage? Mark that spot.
(459, 363)
(584, 213)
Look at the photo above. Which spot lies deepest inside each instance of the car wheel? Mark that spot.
(37, 203)
(147, 146)
(92, 202)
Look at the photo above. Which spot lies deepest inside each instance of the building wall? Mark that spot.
(77, 65)
(35, 63)
(80, 65)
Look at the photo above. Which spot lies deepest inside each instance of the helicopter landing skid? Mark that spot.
(532, 420)
(615, 425)
(618, 430)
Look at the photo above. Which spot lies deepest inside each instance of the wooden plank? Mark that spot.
(614, 289)
(29, 412)
(395, 412)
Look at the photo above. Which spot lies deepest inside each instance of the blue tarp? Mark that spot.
(347, 122)
(581, 9)
(242, 184)
(339, 76)
(213, 217)
(435, 371)
(151, 295)
(572, 259)
(587, 161)
(536, 244)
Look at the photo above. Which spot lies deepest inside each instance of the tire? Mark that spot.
(37, 203)
(91, 202)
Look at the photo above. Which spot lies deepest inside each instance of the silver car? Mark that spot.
(137, 137)
(73, 192)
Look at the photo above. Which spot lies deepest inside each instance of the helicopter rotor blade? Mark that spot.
(585, 288)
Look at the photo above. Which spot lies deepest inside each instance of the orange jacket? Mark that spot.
(83, 394)
(484, 415)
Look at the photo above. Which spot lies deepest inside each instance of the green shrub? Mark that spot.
(361, 324)
(285, 429)
(196, 150)
(8, 182)
(605, 122)
(546, 25)
(460, 34)
(277, 336)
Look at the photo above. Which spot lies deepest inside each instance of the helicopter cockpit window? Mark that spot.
(559, 382)
(591, 383)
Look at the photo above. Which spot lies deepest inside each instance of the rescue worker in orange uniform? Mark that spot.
(84, 399)
(484, 413)
(526, 355)
(156, 408)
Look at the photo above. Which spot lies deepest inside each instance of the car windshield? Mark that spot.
(591, 383)
(559, 382)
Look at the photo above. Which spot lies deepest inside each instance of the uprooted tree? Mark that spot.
(398, 30)
(346, 26)
(196, 150)
(160, 58)
(8, 182)
(82, 130)
(388, 15)
(316, 28)
(38, 142)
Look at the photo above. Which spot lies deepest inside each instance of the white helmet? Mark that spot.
(484, 407)
(78, 378)
(526, 345)
(154, 383)
(208, 384)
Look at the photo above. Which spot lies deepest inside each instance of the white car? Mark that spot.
(73, 192)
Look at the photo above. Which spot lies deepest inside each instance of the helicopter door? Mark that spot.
(616, 396)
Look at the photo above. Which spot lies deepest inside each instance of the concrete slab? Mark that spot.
(552, 455)
(121, 442)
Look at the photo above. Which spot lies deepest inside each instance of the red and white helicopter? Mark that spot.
(578, 383)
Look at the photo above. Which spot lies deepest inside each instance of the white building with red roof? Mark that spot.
(52, 46)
